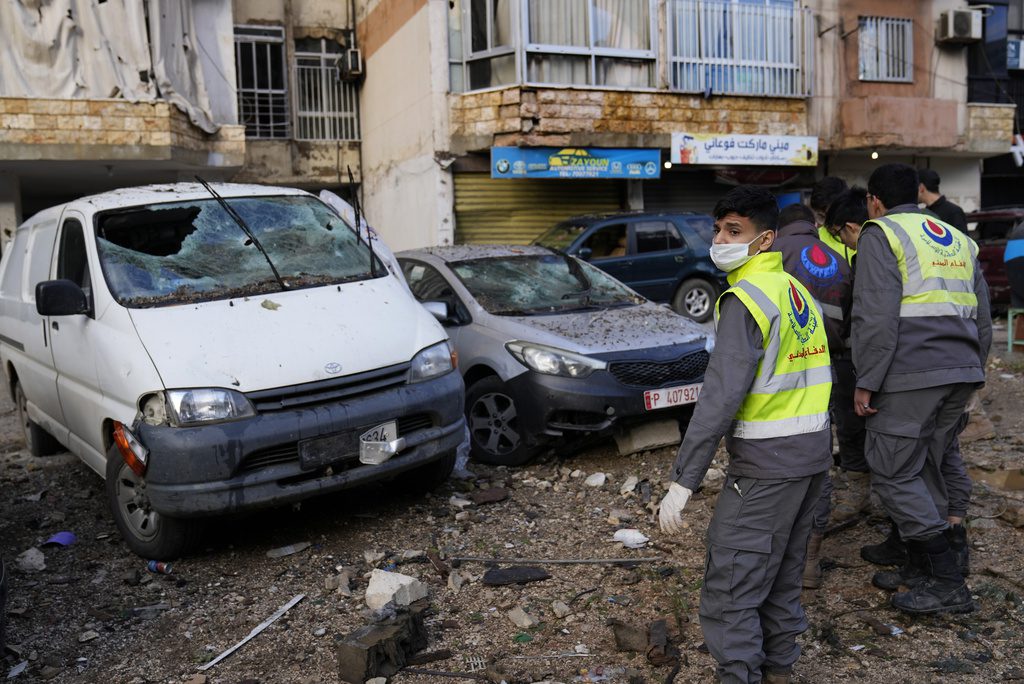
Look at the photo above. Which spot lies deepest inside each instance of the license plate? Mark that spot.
(671, 396)
(379, 444)
(385, 432)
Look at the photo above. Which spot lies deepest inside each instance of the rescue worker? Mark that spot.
(823, 194)
(827, 276)
(921, 331)
(766, 389)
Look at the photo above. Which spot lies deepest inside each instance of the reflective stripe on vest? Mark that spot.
(790, 392)
(936, 265)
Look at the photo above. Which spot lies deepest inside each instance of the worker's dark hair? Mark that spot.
(894, 184)
(825, 192)
(929, 178)
(849, 207)
(793, 213)
(752, 202)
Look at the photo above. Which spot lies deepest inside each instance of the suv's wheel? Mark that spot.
(494, 433)
(695, 299)
(146, 532)
(38, 441)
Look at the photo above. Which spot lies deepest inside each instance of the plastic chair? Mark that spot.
(1011, 338)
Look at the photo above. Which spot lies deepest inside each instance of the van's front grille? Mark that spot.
(326, 391)
(289, 453)
(688, 368)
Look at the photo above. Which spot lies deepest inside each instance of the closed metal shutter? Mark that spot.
(495, 210)
(683, 191)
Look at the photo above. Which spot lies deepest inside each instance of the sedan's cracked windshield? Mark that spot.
(161, 254)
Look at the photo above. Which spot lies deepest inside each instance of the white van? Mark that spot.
(211, 349)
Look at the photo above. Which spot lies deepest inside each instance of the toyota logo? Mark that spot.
(333, 367)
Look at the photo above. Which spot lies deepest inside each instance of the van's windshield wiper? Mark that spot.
(245, 229)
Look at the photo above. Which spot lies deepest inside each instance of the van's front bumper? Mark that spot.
(254, 462)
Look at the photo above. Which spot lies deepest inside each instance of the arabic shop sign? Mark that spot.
(756, 150)
(574, 162)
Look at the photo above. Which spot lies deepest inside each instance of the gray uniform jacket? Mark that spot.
(730, 373)
(894, 354)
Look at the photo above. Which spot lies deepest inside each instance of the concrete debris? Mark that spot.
(412, 555)
(339, 583)
(31, 560)
(520, 618)
(373, 557)
(288, 550)
(514, 575)
(88, 636)
(381, 650)
(576, 473)
(377, 680)
(629, 485)
(455, 581)
(648, 436)
(489, 496)
(596, 480)
(619, 515)
(319, 631)
(385, 587)
(560, 609)
(630, 538)
(458, 502)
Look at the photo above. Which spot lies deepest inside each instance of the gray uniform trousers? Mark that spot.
(905, 448)
(750, 610)
(954, 472)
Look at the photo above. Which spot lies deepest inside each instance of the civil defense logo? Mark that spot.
(941, 239)
(799, 315)
(819, 263)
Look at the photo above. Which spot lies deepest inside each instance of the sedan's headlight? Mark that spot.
(551, 361)
(431, 362)
(206, 405)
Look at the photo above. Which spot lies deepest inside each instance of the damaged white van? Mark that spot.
(212, 349)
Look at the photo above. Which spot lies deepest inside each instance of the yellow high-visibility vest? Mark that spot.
(836, 244)
(791, 390)
(936, 263)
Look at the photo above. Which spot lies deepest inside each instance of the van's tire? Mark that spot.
(495, 434)
(426, 478)
(38, 441)
(147, 533)
(695, 299)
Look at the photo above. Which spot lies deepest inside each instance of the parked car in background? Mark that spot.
(990, 227)
(662, 256)
(550, 346)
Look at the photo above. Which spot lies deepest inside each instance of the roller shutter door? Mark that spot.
(683, 191)
(494, 210)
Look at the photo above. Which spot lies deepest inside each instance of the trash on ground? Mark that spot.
(881, 628)
(159, 567)
(514, 575)
(382, 649)
(659, 650)
(288, 550)
(30, 560)
(628, 637)
(560, 610)
(386, 587)
(17, 669)
(520, 618)
(61, 539)
(631, 538)
(256, 630)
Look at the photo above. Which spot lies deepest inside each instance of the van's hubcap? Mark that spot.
(134, 504)
(493, 423)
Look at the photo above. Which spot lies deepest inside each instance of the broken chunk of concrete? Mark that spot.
(560, 609)
(514, 575)
(339, 583)
(455, 581)
(629, 485)
(381, 650)
(596, 480)
(30, 560)
(648, 436)
(387, 586)
(520, 618)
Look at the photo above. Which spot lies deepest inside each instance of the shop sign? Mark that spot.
(574, 162)
(755, 150)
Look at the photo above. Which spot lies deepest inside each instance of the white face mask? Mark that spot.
(729, 257)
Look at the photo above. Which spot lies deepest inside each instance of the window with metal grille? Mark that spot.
(886, 49)
(740, 47)
(326, 107)
(262, 85)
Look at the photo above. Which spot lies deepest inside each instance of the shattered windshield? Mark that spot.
(539, 284)
(191, 251)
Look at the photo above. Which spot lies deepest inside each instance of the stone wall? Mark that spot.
(989, 127)
(562, 116)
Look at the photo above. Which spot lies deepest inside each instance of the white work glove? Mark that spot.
(670, 515)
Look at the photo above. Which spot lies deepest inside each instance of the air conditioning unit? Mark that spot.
(352, 64)
(959, 26)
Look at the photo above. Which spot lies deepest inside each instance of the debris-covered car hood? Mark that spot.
(286, 338)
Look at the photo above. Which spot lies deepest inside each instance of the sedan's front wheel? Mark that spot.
(494, 433)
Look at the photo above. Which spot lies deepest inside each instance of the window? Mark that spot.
(886, 49)
(426, 282)
(72, 260)
(325, 106)
(262, 90)
(607, 242)
(656, 236)
(740, 47)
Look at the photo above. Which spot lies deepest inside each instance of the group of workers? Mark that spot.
(865, 310)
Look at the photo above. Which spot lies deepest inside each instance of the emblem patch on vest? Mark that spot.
(801, 318)
(940, 239)
(819, 263)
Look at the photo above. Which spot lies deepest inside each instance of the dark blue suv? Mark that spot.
(663, 256)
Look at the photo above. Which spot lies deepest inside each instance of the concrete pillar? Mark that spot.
(10, 207)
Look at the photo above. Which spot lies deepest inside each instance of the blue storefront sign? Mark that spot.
(574, 162)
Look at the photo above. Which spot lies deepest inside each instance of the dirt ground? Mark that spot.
(95, 614)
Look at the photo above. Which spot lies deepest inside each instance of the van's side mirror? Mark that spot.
(585, 253)
(438, 310)
(60, 298)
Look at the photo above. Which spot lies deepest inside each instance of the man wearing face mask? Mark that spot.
(766, 390)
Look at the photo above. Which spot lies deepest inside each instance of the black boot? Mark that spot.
(892, 551)
(956, 535)
(910, 574)
(944, 591)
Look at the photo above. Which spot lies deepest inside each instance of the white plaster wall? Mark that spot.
(407, 195)
(214, 25)
(258, 11)
(331, 13)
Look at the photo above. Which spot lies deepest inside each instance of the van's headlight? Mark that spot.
(431, 362)
(551, 361)
(206, 405)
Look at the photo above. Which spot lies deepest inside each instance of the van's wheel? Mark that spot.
(426, 478)
(147, 533)
(695, 299)
(495, 436)
(38, 441)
